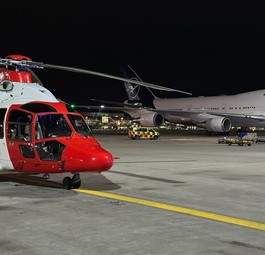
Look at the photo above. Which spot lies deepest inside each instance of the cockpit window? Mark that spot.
(79, 124)
(51, 125)
(38, 107)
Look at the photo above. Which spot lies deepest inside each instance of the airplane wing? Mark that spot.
(127, 107)
(155, 117)
(200, 117)
(107, 108)
(228, 115)
(249, 116)
(135, 105)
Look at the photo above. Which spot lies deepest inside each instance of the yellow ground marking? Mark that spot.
(202, 214)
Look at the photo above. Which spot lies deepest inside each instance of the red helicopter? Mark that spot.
(40, 134)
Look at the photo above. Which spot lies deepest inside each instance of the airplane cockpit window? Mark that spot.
(19, 126)
(79, 124)
(51, 125)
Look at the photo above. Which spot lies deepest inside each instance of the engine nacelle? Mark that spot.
(151, 119)
(218, 124)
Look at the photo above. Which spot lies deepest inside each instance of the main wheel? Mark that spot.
(77, 184)
(67, 182)
(76, 181)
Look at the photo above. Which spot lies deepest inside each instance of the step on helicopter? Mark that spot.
(40, 134)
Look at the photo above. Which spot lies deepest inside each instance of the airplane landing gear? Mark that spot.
(72, 183)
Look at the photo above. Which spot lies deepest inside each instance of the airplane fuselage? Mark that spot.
(198, 109)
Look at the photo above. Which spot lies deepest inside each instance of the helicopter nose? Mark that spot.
(86, 158)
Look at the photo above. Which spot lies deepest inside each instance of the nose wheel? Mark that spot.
(72, 183)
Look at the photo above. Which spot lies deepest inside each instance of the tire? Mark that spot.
(76, 185)
(67, 182)
(155, 137)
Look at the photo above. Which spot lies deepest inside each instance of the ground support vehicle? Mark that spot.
(143, 133)
(235, 140)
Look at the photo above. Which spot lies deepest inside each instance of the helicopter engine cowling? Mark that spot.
(151, 119)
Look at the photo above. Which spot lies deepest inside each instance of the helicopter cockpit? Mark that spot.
(43, 129)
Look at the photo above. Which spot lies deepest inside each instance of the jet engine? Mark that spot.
(218, 124)
(151, 119)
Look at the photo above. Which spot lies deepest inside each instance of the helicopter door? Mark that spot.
(19, 139)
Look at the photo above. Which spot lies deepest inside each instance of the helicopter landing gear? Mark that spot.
(46, 176)
(76, 181)
(72, 183)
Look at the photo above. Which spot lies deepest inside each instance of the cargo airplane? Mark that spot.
(216, 114)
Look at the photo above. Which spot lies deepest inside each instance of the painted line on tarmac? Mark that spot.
(178, 209)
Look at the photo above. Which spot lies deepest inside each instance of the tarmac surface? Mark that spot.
(175, 195)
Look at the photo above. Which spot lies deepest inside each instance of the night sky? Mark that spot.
(203, 47)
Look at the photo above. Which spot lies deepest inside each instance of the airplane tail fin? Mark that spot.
(135, 93)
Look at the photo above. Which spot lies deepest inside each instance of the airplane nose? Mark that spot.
(85, 158)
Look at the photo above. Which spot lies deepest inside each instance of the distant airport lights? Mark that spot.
(74, 106)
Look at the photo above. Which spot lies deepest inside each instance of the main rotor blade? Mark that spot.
(84, 71)
(33, 64)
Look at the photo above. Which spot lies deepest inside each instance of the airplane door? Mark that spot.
(189, 107)
(224, 107)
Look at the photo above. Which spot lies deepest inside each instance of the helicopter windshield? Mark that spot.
(79, 124)
(51, 125)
